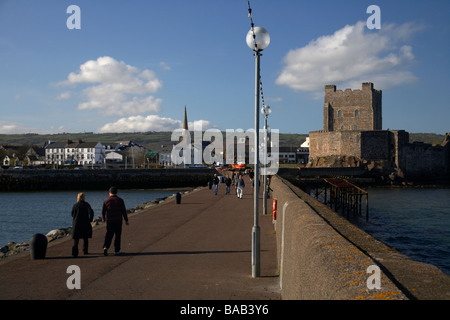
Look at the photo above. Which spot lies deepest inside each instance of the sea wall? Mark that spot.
(323, 256)
(37, 180)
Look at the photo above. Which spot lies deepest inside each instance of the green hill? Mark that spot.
(154, 140)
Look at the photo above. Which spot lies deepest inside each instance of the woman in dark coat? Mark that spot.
(82, 215)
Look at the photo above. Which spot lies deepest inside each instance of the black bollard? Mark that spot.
(38, 246)
(178, 198)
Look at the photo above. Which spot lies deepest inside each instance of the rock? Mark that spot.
(58, 233)
(13, 248)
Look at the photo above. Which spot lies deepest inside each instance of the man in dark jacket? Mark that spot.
(113, 211)
(216, 183)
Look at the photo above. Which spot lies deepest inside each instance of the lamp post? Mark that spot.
(265, 110)
(257, 39)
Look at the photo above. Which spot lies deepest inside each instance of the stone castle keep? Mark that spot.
(352, 136)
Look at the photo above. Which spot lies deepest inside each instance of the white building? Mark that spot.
(89, 153)
(303, 152)
(55, 153)
(114, 157)
(76, 153)
(165, 156)
(287, 154)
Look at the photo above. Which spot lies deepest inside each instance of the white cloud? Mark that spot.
(148, 123)
(115, 87)
(64, 96)
(8, 128)
(164, 66)
(15, 128)
(350, 56)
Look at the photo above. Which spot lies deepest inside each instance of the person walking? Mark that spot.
(82, 215)
(240, 184)
(234, 179)
(227, 185)
(251, 176)
(113, 212)
(216, 184)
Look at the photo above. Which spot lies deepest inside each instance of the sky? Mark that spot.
(133, 66)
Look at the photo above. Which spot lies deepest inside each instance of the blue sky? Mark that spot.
(135, 64)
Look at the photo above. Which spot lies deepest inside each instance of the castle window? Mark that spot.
(356, 127)
(356, 113)
(339, 113)
(342, 128)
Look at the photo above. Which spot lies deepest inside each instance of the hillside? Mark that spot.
(154, 140)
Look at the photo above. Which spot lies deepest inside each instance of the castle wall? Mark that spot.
(377, 145)
(380, 149)
(332, 143)
(422, 159)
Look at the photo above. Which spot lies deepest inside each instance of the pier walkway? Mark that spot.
(197, 250)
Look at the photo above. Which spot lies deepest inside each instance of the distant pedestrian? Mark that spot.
(251, 176)
(240, 185)
(209, 184)
(82, 215)
(268, 187)
(216, 184)
(227, 185)
(113, 211)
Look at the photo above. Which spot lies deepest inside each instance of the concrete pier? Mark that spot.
(200, 249)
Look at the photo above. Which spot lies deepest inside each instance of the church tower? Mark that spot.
(185, 122)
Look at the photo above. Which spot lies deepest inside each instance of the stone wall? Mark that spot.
(331, 143)
(382, 151)
(37, 180)
(422, 159)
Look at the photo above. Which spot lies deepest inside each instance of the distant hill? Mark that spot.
(154, 140)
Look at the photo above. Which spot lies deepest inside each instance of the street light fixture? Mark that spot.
(257, 39)
(266, 111)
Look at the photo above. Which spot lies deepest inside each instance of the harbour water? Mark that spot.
(23, 214)
(415, 221)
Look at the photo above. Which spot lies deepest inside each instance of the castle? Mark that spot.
(352, 136)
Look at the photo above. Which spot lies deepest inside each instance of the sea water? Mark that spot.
(415, 221)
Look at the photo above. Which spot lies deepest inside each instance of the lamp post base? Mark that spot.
(255, 251)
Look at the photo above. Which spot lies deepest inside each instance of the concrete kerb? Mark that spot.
(317, 262)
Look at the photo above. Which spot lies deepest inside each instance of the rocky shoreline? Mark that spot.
(13, 248)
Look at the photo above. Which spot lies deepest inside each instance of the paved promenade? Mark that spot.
(197, 250)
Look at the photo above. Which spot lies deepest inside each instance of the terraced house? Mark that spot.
(75, 153)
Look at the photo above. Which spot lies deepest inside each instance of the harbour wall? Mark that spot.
(39, 180)
(323, 256)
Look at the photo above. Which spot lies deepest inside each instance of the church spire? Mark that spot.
(185, 122)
